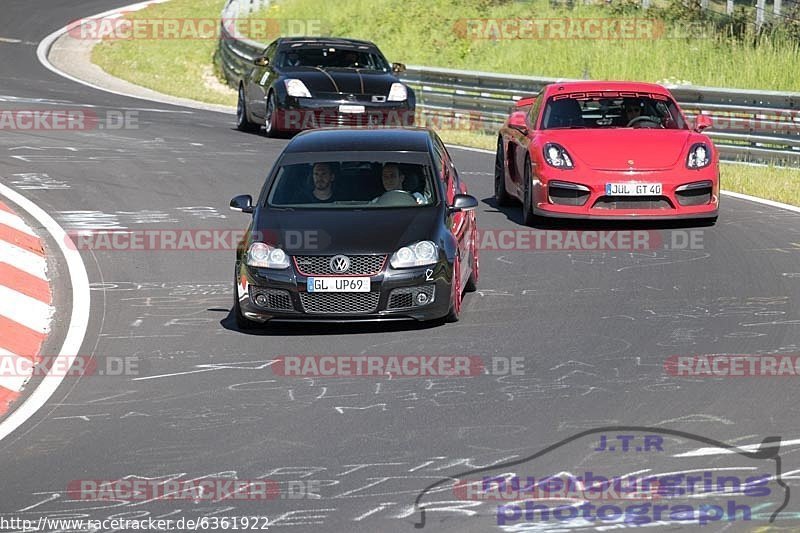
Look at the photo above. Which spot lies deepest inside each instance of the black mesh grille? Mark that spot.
(339, 302)
(320, 265)
(276, 299)
(565, 196)
(700, 196)
(633, 202)
(406, 297)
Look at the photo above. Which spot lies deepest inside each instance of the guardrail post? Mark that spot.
(761, 6)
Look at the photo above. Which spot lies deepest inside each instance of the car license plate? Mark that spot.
(345, 108)
(633, 189)
(338, 284)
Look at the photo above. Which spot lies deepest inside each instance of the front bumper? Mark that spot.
(589, 200)
(391, 297)
(298, 114)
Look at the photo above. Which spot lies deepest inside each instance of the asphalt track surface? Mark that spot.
(593, 328)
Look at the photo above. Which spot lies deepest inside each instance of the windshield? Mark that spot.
(330, 57)
(367, 184)
(612, 110)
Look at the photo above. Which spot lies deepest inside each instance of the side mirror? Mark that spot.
(517, 121)
(398, 68)
(243, 203)
(463, 202)
(262, 61)
(702, 122)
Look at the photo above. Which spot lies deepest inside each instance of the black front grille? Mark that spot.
(339, 303)
(566, 196)
(320, 265)
(274, 299)
(632, 202)
(700, 196)
(406, 297)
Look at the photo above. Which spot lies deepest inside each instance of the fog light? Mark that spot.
(422, 298)
(261, 300)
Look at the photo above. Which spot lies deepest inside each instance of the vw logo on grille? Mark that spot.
(340, 264)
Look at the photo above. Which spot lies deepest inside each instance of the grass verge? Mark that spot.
(178, 67)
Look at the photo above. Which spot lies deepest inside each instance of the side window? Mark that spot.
(270, 52)
(534, 111)
(439, 158)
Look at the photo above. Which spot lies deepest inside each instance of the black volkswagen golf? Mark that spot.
(356, 225)
(302, 83)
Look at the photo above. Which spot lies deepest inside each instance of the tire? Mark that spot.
(242, 322)
(528, 217)
(501, 196)
(242, 122)
(474, 275)
(270, 121)
(706, 222)
(455, 297)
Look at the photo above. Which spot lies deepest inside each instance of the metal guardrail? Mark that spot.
(754, 126)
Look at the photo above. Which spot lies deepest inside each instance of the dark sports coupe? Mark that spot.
(355, 225)
(301, 83)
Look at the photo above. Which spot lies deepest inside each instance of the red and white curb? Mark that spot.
(76, 317)
(25, 303)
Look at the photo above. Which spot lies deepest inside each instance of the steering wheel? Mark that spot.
(644, 118)
(396, 197)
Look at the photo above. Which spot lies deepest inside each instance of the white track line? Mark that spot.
(732, 194)
(78, 320)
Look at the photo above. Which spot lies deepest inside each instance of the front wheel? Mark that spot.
(242, 122)
(474, 275)
(501, 196)
(271, 123)
(455, 298)
(528, 217)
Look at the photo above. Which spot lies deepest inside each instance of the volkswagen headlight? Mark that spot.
(266, 256)
(397, 93)
(418, 254)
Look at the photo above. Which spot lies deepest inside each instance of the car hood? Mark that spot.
(345, 81)
(332, 231)
(625, 148)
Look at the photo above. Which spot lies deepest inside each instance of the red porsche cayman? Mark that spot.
(606, 150)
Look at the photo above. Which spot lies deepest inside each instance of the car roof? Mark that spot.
(361, 139)
(581, 86)
(340, 42)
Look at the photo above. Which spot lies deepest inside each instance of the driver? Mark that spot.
(631, 109)
(323, 177)
(392, 179)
